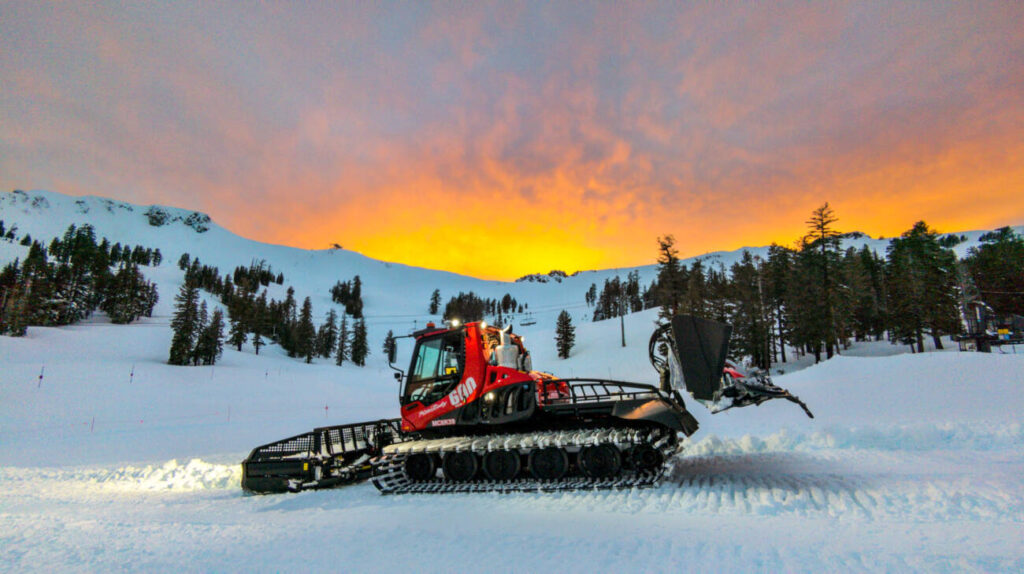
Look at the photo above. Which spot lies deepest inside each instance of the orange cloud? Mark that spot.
(500, 141)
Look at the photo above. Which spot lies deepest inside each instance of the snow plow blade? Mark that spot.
(697, 363)
(704, 344)
(322, 458)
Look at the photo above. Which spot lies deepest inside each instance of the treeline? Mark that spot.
(817, 297)
(253, 316)
(996, 272)
(349, 294)
(71, 278)
(471, 307)
(9, 234)
(618, 297)
(257, 273)
(198, 338)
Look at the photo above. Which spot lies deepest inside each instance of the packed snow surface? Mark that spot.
(110, 459)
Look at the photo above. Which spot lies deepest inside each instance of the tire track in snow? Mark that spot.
(888, 485)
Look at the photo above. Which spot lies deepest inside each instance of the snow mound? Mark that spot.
(909, 437)
(196, 474)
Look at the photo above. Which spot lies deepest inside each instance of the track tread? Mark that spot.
(390, 476)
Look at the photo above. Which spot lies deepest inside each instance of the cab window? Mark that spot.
(435, 369)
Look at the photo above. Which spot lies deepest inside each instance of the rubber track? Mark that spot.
(390, 476)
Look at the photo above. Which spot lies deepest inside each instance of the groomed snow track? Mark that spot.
(392, 469)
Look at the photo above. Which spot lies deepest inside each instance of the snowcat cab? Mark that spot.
(435, 369)
(460, 375)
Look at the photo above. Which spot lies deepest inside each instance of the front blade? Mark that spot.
(701, 346)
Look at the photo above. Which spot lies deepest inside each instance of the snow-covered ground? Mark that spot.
(112, 460)
(912, 462)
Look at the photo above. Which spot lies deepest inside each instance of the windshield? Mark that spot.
(436, 368)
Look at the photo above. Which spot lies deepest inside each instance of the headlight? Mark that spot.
(490, 397)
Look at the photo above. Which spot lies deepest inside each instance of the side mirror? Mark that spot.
(398, 377)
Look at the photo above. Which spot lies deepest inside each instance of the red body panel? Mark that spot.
(734, 373)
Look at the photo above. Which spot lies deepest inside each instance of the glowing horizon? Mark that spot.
(498, 140)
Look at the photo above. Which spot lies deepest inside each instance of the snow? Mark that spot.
(113, 460)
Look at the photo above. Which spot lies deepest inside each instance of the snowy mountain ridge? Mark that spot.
(47, 214)
(395, 296)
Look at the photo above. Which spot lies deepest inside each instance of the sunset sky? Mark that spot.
(503, 139)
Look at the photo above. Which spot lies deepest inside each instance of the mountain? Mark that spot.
(396, 296)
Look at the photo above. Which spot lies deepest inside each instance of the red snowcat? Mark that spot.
(476, 417)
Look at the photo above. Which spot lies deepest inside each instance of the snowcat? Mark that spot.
(476, 417)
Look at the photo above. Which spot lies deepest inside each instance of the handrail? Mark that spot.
(595, 390)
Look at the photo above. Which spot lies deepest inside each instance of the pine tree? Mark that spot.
(997, 270)
(216, 329)
(695, 294)
(390, 346)
(634, 300)
(10, 275)
(327, 335)
(204, 318)
(671, 286)
(610, 303)
(343, 352)
(152, 298)
(565, 334)
(127, 295)
(435, 302)
(872, 307)
(356, 309)
(237, 334)
(258, 317)
(360, 348)
(14, 313)
(184, 324)
(288, 320)
(778, 270)
(922, 282)
(747, 313)
(803, 297)
(305, 333)
(717, 292)
(210, 343)
(823, 242)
